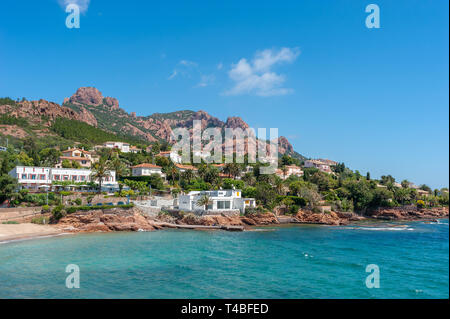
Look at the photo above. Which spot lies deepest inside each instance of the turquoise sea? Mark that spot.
(269, 262)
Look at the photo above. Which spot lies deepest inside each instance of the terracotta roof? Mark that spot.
(163, 153)
(75, 158)
(218, 165)
(76, 149)
(181, 166)
(146, 165)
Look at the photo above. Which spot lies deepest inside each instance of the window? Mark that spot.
(56, 177)
(83, 178)
(66, 177)
(74, 177)
(24, 176)
(42, 177)
(223, 204)
(32, 176)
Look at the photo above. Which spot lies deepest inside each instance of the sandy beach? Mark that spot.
(10, 232)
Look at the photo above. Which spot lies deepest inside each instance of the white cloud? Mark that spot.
(206, 80)
(256, 76)
(82, 4)
(220, 66)
(183, 68)
(188, 63)
(174, 74)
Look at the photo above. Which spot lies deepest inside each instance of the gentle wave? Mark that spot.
(381, 228)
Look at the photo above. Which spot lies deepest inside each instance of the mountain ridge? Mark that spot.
(88, 105)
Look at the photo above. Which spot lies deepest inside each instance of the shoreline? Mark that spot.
(27, 231)
(54, 231)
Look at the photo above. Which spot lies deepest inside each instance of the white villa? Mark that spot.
(290, 170)
(229, 200)
(84, 158)
(34, 178)
(322, 165)
(121, 146)
(173, 156)
(146, 169)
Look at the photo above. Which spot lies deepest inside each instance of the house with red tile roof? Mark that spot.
(146, 169)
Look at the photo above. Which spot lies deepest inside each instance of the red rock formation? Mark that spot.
(409, 213)
(33, 110)
(309, 217)
(235, 122)
(107, 220)
(87, 95)
(92, 96)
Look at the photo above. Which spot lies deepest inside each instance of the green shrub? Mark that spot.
(12, 222)
(299, 201)
(78, 201)
(65, 193)
(45, 208)
(71, 210)
(58, 212)
(294, 209)
(41, 220)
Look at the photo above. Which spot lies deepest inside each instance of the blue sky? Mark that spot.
(375, 99)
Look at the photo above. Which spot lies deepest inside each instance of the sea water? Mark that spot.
(268, 262)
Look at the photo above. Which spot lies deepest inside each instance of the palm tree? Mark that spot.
(405, 183)
(205, 200)
(279, 186)
(100, 171)
(284, 169)
(173, 171)
(117, 165)
(188, 175)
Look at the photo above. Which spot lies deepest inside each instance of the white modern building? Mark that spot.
(121, 146)
(173, 156)
(34, 178)
(146, 169)
(229, 200)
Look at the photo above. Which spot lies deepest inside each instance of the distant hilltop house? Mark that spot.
(134, 149)
(3, 149)
(289, 170)
(322, 165)
(84, 158)
(221, 201)
(146, 169)
(173, 156)
(36, 178)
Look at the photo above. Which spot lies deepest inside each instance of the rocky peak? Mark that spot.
(236, 122)
(284, 147)
(111, 102)
(92, 96)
